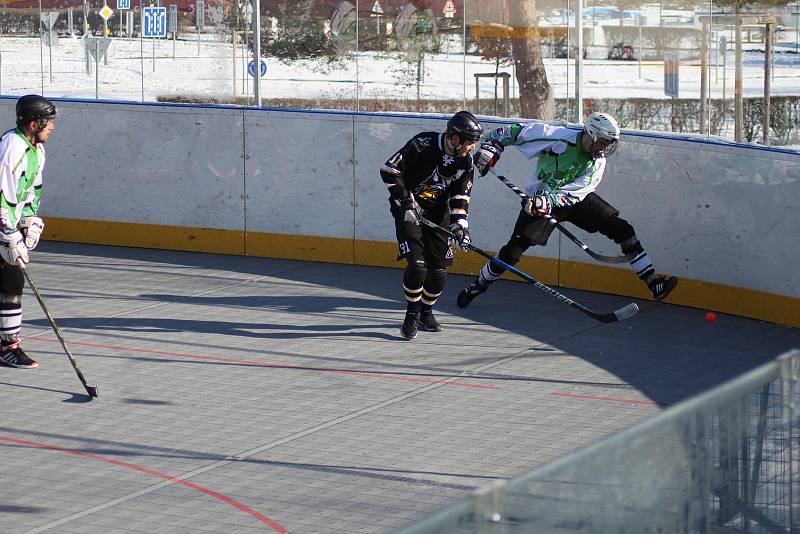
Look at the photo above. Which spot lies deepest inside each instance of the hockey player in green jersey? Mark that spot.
(21, 165)
(569, 168)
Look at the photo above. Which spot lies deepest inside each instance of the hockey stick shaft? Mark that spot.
(619, 315)
(91, 390)
(600, 257)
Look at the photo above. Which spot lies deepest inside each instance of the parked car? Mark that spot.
(622, 51)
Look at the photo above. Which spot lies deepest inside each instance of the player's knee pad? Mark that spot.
(413, 278)
(512, 252)
(434, 281)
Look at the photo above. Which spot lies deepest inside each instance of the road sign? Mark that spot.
(49, 18)
(671, 74)
(173, 19)
(105, 12)
(723, 45)
(123, 4)
(251, 68)
(154, 21)
(377, 10)
(449, 9)
(200, 15)
(97, 46)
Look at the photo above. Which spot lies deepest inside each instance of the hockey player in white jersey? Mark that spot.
(21, 163)
(570, 166)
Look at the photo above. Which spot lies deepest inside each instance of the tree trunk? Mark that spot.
(534, 89)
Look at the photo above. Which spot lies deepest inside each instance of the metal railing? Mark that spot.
(725, 461)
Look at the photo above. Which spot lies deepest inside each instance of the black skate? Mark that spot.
(428, 322)
(469, 293)
(409, 328)
(660, 287)
(13, 356)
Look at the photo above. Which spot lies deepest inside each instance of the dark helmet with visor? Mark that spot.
(465, 125)
(35, 108)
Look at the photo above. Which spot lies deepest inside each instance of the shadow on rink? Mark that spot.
(240, 393)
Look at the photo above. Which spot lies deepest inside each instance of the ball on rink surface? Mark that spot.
(711, 317)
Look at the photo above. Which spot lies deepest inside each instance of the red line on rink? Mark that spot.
(191, 485)
(275, 365)
(612, 399)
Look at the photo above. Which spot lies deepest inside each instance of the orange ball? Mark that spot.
(711, 317)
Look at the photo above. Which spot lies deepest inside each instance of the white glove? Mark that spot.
(12, 247)
(32, 228)
(538, 205)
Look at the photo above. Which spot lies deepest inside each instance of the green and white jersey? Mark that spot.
(563, 170)
(21, 165)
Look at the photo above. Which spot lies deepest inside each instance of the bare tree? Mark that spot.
(534, 89)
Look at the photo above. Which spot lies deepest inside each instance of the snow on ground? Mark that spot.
(208, 70)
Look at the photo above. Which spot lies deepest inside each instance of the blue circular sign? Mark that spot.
(251, 68)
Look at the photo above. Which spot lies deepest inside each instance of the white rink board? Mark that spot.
(145, 164)
(299, 173)
(704, 210)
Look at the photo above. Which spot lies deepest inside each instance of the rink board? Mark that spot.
(305, 185)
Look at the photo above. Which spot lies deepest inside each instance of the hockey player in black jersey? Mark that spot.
(430, 177)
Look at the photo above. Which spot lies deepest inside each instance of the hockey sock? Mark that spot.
(643, 267)
(10, 316)
(489, 274)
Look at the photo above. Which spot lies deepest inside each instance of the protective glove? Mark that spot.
(487, 155)
(461, 234)
(411, 210)
(12, 247)
(538, 205)
(32, 228)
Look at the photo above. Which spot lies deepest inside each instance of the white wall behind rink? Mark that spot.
(708, 211)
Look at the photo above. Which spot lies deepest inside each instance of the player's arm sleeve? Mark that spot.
(459, 198)
(35, 196)
(533, 138)
(575, 191)
(393, 171)
(8, 194)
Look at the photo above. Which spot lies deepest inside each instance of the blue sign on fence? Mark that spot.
(154, 21)
(251, 68)
(123, 4)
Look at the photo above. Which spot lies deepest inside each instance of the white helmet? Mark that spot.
(602, 126)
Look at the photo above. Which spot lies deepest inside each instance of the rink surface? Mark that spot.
(248, 394)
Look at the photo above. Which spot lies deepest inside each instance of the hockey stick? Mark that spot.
(599, 257)
(91, 390)
(626, 312)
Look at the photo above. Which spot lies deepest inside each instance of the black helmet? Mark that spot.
(465, 125)
(35, 108)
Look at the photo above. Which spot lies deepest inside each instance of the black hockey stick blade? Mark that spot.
(599, 257)
(626, 312)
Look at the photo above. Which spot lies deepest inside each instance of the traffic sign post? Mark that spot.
(50, 37)
(105, 13)
(200, 20)
(173, 26)
(671, 74)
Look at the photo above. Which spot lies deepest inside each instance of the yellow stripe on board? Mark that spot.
(569, 274)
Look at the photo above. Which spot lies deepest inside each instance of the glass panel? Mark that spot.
(647, 63)
(411, 56)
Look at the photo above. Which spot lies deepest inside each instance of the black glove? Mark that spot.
(411, 211)
(461, 234)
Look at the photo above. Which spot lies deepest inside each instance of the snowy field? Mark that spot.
(145, 70)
